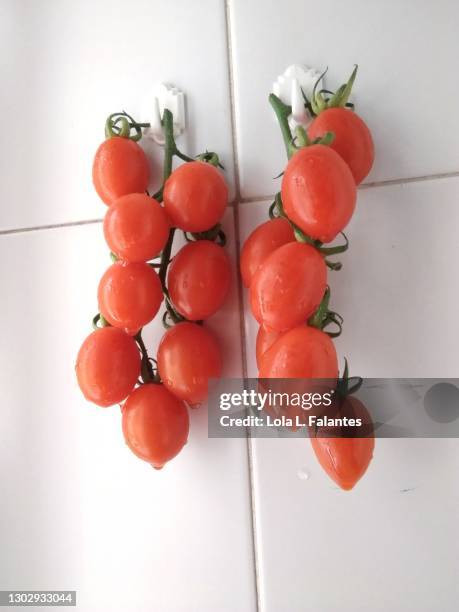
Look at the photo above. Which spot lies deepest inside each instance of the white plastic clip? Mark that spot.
(164, 96)
(289, 87)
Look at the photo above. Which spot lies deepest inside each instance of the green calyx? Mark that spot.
(323, 98)
(347, 384)
(121, 125)
(214, 234)
(210, 157)
(324, 317)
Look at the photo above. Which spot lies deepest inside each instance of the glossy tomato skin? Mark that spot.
(155, 424)
(288, 287)
(136, 228)
(129, 295)
(195, 196)
(318, 192)
(346, 460)
(188, 355)
(301, 352)
(107, 366)
(120, 167)
(353, 141)
(265, 339)
(265, 239)
(199, 278)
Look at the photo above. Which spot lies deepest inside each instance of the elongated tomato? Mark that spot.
(120, 167)
(108, 365)
(129, 295)
(188, 356)
(265, 239)
(195, 196)
(353, 141)
(318, 192)
(155, 424)
(199, 279)
(288, 286)
(136, 227)
(346, 460)
(302, 352)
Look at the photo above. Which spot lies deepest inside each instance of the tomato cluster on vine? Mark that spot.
(113, 364)
(284, 261)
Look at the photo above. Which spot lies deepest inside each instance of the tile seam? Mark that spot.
(49, 226)
(366, 186)
(238, 201)
(240, 288)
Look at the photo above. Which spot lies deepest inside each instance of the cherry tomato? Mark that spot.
(120, 167)
(353, 141)
(265, 239)
(265, 339)
(188, 356)
(155, 424)
(195, 196)
(288, 287)
(129, 295)
(108, 366)
(346, 459)
(199, 279)
(302, 352)
(318, 192)
(136, 227)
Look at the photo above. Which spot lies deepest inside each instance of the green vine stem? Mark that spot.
(283, 112)
(148, 374)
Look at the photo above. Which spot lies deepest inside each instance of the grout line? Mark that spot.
(237, 201)
(248, 439)
(410, 179)
(386, 183)
(240, 288)
(21, 230)
(232, 101)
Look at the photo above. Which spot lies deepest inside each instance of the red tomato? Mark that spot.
(353, 141)
(318, 192)
(302, 352)
(288, 287)
(108, 366)
(120, 167)
(199, 279)
(188, 355)
(155, 424)
(346, 459)
(195, 196)
(265, 239)
(129, 295)
(265, 339)
(136, 227)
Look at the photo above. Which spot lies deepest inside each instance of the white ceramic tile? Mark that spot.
(392, 543)
(66, 65)
(405, 89)
(79, 510)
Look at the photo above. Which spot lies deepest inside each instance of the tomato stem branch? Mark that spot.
(147, 372)
(283, 112)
